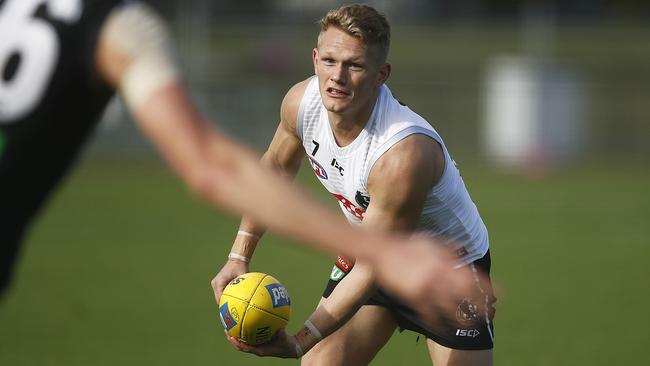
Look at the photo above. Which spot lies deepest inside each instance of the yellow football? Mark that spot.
(253, 307)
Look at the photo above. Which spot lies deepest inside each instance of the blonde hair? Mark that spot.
(360, 21)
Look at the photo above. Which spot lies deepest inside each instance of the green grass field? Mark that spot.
(116, 272)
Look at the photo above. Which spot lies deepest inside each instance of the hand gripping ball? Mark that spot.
(253, 307)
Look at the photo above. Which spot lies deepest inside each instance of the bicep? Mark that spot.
(400, 182)
(285, 151)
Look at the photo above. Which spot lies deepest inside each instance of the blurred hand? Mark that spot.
(228, 272)
(282, 345)
(423, 274)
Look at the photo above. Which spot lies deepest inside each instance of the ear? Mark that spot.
(384, 73)
(314, 56)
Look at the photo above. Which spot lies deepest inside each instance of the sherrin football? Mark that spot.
(253, 307)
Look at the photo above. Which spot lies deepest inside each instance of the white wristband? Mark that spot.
(312, 328)
(299, 352)
(250, 235)
(238, 257)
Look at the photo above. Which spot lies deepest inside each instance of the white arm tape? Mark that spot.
(141, 35)
(312, 328)
(299, 351)
(238, 257)
(246, 233)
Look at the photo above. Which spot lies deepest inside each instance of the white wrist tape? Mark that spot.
(238, 257)
(250, 235)
(299, 352)
(141, 35)
(312, 328)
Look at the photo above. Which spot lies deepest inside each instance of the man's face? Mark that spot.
(349, 71)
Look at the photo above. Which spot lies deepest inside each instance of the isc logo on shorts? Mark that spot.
(467, 333)
(278, 295)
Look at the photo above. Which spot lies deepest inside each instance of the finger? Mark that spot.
(243, 347)
(217, 295)
(239, 345)
(219, 285)
(216, 288)
(278, 334)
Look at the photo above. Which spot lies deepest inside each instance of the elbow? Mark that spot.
(198, 181)
(216, 174)
(214, 181)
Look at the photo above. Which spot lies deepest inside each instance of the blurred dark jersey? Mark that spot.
(50, 99)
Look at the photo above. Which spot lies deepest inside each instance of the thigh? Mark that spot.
(357, 342)
(444, 356)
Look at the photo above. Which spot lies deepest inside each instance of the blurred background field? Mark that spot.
(116, 270)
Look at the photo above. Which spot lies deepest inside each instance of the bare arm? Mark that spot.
(148, 80)
(398, 185)
(215, 167)
(227, 174)
(283, 156)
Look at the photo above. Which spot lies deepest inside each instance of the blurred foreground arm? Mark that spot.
(134, 43)
(134, 54)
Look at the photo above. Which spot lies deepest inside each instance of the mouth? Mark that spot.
(336, 93)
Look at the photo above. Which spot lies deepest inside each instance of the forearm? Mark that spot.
(179, 133)
(246, 239)
(291, 212)
(250, 231)
(350, 294)
(354, 290)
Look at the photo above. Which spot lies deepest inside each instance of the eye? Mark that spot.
(355, 66)
(328, 61)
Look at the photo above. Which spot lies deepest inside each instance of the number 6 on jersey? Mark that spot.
(29, 50)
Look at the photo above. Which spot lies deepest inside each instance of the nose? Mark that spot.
(339, 74)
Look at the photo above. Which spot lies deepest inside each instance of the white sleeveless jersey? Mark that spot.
(448, 214)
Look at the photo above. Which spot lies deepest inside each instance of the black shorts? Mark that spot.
(472, 327)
